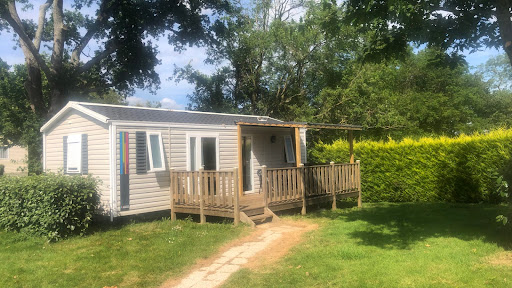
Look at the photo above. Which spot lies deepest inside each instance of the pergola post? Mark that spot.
(240, 161)
(298, 154)
(351, 145)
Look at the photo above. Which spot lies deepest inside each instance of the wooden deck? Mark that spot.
(216, 193)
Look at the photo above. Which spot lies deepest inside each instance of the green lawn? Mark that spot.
(134, 255)
(395, 245)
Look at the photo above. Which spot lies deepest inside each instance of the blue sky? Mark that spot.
(171, 94)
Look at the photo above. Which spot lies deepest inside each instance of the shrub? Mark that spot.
(51, 205)
(2, 169)
(462, 169)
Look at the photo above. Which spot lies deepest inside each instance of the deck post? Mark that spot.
(171, 190)
(237, 197)
(331, 186)
(264, 186)
(358, 184)
(300, 182)
(202, 218)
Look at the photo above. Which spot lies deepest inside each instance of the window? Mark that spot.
(4, 153)
(155, 151)
(74, 153)
(202, 152)
(288, 147)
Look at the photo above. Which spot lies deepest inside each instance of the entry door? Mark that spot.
(247, 162)
(203, 153)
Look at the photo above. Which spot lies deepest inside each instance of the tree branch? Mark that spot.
(75, 57)
(11, 16)
(58, 35)
(97, 58)
(40, 24)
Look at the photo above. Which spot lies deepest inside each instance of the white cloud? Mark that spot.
(171, 104)
(133, 100)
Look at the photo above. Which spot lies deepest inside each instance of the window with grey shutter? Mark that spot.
(65, 153)
(85, 155)
(141, 152)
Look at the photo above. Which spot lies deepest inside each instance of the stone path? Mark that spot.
(233, 259)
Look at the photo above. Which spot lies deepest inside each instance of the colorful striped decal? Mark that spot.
(124, 154)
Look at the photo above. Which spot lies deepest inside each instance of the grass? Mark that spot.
(395, 245)
(133, 255)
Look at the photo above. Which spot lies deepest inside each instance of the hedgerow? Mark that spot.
(462, 169)
(51, 205)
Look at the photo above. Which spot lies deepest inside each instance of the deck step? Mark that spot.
(254, 211)
(261, 218)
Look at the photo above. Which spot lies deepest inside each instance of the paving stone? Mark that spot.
(218, 277)
(222, 260)
(232, 253)
(239, 261)
(228, 268)
(212, 268)
(204, 284)
(197, 275)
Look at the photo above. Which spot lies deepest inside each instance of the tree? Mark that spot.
(430, 93)
(497, 72)
(458, 24)
(120, 36)
(276, 64)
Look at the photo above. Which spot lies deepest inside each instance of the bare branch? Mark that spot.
(11, 16)
(40, 24)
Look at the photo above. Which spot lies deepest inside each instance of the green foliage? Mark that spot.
(461, 169)
(2, 169)
(54, 206)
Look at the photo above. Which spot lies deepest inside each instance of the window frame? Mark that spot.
(71, 153)
(6, 153)
(150, 151)
(290, 155)
(198, 153)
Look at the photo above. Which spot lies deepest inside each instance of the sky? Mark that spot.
(173, 95)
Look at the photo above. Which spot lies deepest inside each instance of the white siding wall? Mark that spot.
(150, 191)
(75, 122)
(16, 159)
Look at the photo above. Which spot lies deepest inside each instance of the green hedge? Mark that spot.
(2, 169)
(462, 169)
(51, 205)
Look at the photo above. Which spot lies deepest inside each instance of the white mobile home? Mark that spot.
(134, 151)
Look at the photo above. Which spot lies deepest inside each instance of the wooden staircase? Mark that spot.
(253, 211)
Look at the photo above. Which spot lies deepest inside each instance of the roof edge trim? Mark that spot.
(76, 106)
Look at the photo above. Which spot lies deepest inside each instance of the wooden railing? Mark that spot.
(205, 189)
(218, 190)
(296, 183)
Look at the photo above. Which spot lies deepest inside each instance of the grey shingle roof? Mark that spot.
(124, 113)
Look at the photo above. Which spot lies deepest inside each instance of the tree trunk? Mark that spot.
(57, 99)
(34, 88)
(505, 25)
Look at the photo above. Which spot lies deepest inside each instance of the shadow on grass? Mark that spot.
(398, 226)
(103, 223)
